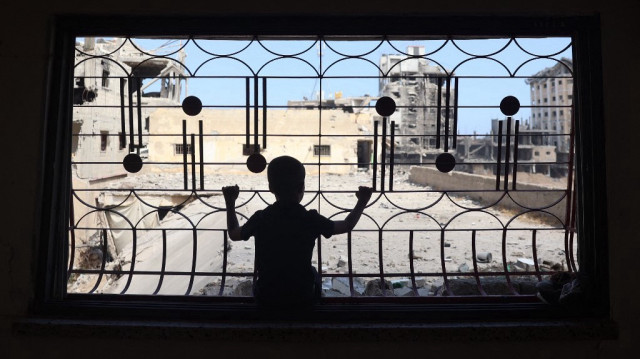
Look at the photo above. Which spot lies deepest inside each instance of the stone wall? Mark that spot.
(549, 199)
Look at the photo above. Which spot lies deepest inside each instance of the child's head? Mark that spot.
(286, 178)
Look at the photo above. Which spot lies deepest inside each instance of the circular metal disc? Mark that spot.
(191, 105)
(445, 162)
(256, 163)
(132, 163)
(385, 106)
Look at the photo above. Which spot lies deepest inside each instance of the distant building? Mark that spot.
(551, 100)
(413, 83)
(103, 69)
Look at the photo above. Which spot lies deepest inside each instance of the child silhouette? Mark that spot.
(285, 234)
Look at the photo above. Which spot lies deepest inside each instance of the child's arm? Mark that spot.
(346, 225)
(233, 227)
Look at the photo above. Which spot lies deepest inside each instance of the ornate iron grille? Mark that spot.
(449, 205)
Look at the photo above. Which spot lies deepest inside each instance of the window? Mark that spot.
(179, 149)
(104, 140)
(249, 92)
(321, 150)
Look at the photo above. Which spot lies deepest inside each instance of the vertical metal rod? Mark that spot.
(516, 138)
(498, 168)
(164, 261)
(504, 261)
(201, 152)
(383, 160)
(184, 155)
(392, 154)
(256, 145)
(122, 112)
(131, 132)
(264, 112)
(193, 162)
(319, 246)
(475, 263)
(224, 261)
(535, 254)
(444, 267)
(139, 107)
(134, 249)
(383, 284)
(72, 234)
(375, 153)
(104, 261)
(247, 106)
(350, 258)
(455, 113)
(447, 98)
(567, 251)
(439, 113)
(507, 157)
(411, 268)
(193, 261)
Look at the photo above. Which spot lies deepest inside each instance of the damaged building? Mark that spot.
(414, 84)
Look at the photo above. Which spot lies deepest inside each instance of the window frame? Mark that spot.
(55, 164)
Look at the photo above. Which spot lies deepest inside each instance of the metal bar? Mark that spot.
(134, 249)
(131, 132)
(104, 261)
(256, 145)
(184, 155)
(507, 153)
(248, 113)
(264, 112)
(138, 104)
(411, 267)
(392, 154)
(455, 113)
(499, 156)
(319, 258)
(447, 107)
(375, 154)
(201, 152)
(383, 160)
(193, 162)
(444, 267)
(164, 261)
(123, 125)
(193, 261)
(504, 261)
(515, 154)
(439, 113)
(535, 253)
(72, 234)
(383, 284)
(475, 263)
(350, 264)
(225, 243)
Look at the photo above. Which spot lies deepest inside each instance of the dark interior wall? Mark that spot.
(24, 55)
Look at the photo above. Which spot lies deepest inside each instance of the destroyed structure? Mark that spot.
(109, 76)
(543, 140)
(413, 83)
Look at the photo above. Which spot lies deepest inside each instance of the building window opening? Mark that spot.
(321, 150)
(104, 140)
(180, 149)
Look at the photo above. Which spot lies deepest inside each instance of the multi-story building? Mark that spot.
(413, 83)
(551, 101)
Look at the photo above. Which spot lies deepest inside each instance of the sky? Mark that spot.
(245, 57)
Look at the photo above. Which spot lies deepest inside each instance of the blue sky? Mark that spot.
(203, 59)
